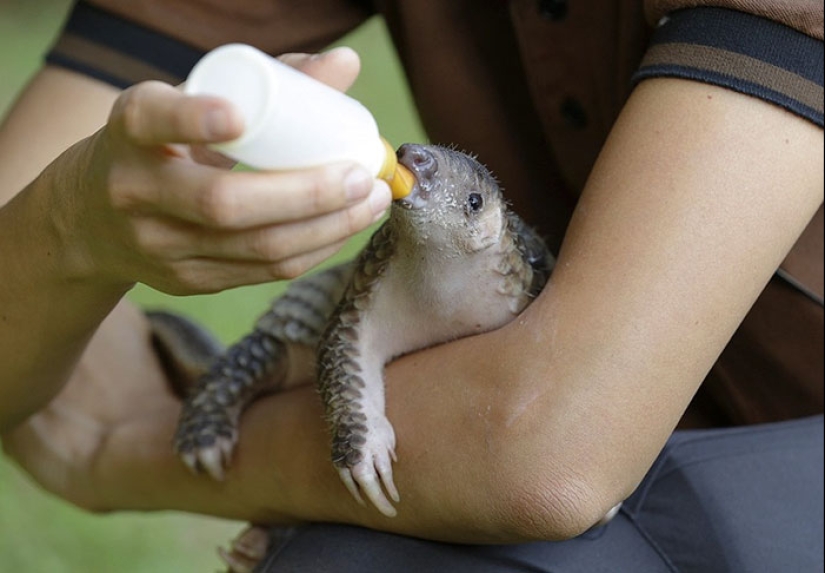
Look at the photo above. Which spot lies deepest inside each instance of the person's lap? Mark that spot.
(733, 500)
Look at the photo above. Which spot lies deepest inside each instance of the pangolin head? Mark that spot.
(456, 204)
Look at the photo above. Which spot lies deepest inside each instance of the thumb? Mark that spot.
(337, 68)
(155, 113)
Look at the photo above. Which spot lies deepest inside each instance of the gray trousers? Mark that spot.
(739, 500)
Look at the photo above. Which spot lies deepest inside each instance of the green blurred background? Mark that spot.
(41, 534)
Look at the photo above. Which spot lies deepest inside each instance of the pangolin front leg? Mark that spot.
(350, 379)
(277, 354)
(450, 262)
(208, 426)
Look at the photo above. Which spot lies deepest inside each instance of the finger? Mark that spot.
(237, 563)
(252, 542)
(337, 68)
(206, 275)
(297, 266)
(233, 200)
(153, 113)
(280, 242)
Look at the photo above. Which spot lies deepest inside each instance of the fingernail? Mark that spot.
(357, 184)
(380, 199)
(337, 51)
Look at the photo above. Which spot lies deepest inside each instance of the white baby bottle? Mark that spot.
(292, 120)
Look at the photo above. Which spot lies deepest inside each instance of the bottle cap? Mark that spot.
(400, 179)
(402, 183)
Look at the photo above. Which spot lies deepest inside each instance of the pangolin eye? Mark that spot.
(475, 202)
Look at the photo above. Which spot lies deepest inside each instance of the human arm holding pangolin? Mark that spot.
(537, 429)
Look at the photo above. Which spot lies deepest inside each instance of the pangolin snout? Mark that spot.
(419, 160)
(423, 165)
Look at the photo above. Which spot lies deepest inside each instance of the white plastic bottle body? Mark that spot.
(292, 120)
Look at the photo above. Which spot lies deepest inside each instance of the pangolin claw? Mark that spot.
(215, 459)
(359, 480)
(207, 450)
(373, 476)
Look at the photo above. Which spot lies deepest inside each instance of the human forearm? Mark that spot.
(696, 198)
(281, 471)
(48, 314)
(49, 309)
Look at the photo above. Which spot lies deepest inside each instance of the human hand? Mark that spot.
(67, 446)
(143, 207)
(104, 443)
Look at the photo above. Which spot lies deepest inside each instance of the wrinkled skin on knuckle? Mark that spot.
(322, 189)
(217, 203)
(132, 109)
(154, 240)
(128, 111)
(269, 245)
(183, 283)
(123, 175)
(314, 192)
(123, 189)
(355, 219)
(289, 269)
(180, 278)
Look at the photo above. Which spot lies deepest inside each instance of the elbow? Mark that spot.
(553, 507)
(550, 489)
(557, 477)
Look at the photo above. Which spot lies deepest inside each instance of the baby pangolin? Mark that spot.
(451, 261)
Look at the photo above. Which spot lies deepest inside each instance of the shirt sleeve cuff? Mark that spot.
(742, 52)
(118, 51)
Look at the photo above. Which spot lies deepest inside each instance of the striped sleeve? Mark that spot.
(119, 52)
(742, 52)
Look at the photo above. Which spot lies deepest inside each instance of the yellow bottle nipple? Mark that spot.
(400, 178)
